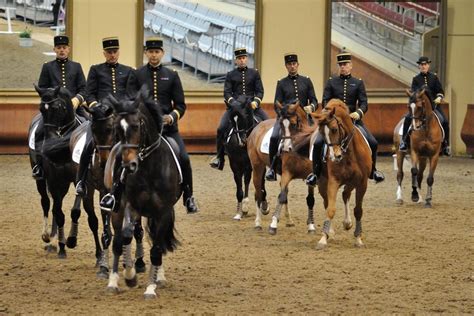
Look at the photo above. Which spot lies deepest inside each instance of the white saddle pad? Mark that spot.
(175, 160)
(440, 125)
(31, 141)
(78, 148)
(362, 134)
(265, 145)
(400, 130)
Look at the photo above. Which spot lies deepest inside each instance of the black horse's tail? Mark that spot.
(161, 231)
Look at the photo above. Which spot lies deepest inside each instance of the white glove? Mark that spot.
(253, 105)
(167, 119)
(355, 116)
(75, 102)
(308, 109)
(437, 100)
(94, 103)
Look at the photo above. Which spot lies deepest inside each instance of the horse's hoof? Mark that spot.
(245, 214)
(103, 273)
(272, 231)
(428, 205)
(311, 231)
(149, 296)
(258, 228)
(359, 244)
(132, 282)
(161, 284)
(62, 254)
(399, 202)
(140, 266)
(347, 225)
(112, 290)
(51, 248)
(71, 242)
(415, 198)
(237, 217)
(45, 237)
(321, 246)
(290, 225)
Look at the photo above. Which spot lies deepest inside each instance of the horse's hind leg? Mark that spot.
(45, 205)
(93, 222)
(106, 238)
(358, 211)
(117, 246)
(59, 217)
(75, 214)
(400, 159)
(260, 194)
(310, 204)
(245, 201)
(346, 196)
(127, 235)
(430, 180)
(330, 200)
(414, 173)
(282, 201)
(140, 266)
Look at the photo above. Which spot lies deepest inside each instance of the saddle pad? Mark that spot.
(31, 141)
(265, 145)
(78, 148)
(363, 136)
(400, 130)
(439, 122)
(175, 158)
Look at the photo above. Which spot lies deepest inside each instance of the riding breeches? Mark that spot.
(261, 114)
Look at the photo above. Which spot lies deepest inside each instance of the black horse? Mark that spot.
(102, 131)
(59, 121)
(49, 232)
(152, 188)
(242, 122)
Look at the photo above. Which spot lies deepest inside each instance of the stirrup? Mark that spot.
(217, 163)
(37, 172)
(81, 188)
(270, 175)
(105, 204)
(311, 179)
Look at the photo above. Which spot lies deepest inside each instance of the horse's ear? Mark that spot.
(409, 92)
(113, 102)
(39, 90)
(422, 91)
(279, 105)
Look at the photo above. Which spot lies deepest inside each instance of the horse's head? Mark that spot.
(56, 109)
(291, 116)
(241, 117)
(103, 129)
(336, 127)
(420, 107)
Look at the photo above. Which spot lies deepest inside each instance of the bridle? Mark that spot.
(344, 140)
(60, 130)
(422, 117)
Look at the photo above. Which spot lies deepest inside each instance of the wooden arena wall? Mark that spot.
(198, 126)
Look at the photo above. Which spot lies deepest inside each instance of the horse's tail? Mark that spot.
(161, 231)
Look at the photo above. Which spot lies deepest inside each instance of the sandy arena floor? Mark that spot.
(416, 260)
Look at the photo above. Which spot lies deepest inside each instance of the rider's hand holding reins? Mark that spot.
(75, 102)
(355, 116)
(168, 119)
(437, 100)
(253, 105)
(308, 109)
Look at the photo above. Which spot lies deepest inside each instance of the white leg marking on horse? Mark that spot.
(322, 243)
(399, 193)
(328, 141)
(287, 141)
(274, 223)
(258, 216)
(237, 217)
(124, 125)
(311, 228)
(113, 280)
(245, 205)
(161, 274)
(150, 290)
(412, 107)
(347, 222)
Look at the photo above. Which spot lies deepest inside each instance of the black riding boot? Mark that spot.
(312, 178)
(219, 160)
(272, 155)
(405, 137)
(446, 150)
(86, 157)
(375, 174)
(188, 198)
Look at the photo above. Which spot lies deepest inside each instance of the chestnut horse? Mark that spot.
(348, 164)
(294, 164)
(425, 145)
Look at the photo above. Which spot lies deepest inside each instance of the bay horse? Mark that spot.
(348, 164)
(101, 127)
(49, 231)
(294, 165)
(152, 188)
(425, 145)
(242, 122)
(59, 122)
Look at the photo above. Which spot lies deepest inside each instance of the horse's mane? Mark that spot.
(302, 138)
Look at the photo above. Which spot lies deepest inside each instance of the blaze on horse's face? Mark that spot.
(55, 108)
(129, 130)
(418, 101)
(102, 130)
(333, 133)
(288, 121)
(241, 118)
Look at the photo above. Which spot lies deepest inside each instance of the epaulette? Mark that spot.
(330, 78)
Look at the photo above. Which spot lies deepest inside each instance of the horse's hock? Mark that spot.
(467, 131)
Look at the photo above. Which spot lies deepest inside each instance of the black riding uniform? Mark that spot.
(239, 81)
(289, 89)
(103, 79)
(59, 72)
(352, 92)
(167, 92)
(434, 90)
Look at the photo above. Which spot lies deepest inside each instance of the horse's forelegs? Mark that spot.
(430, 180)
(157, 273)
(239, 194)
(75, 214)
(358, 211)
(332, 188)
(414, 184)
(140, 266)
(346, 197)
(117, 246)
(281, 201)
(93, 222)
(310, 204)
(260, 195)
(400, 158)
(245, 201)
(106, 238)
(59, 217)
(45, 205)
